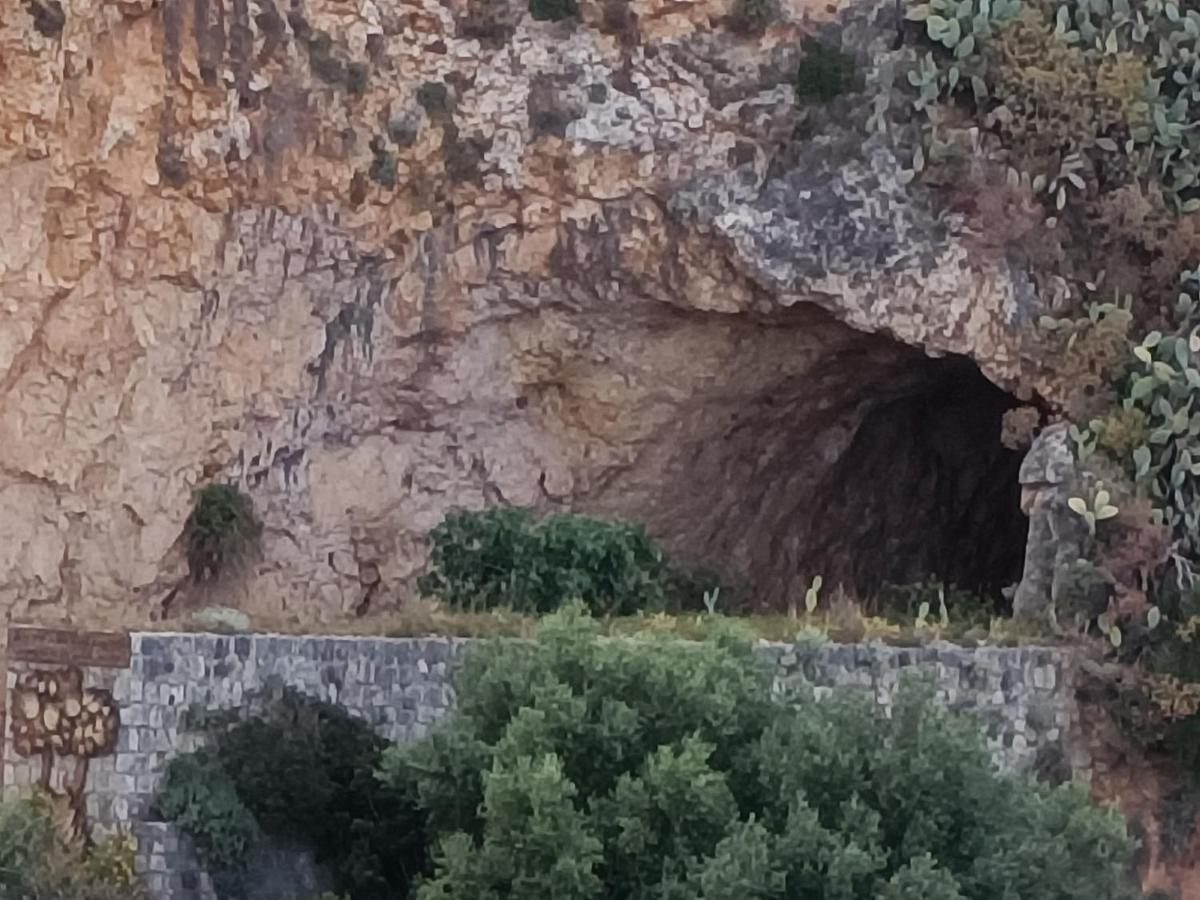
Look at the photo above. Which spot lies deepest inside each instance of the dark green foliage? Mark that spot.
(464, 156)
(383, 165)
(305, 769)
(491, 22)
(504, 557)
(321, 59)
(1177, 820)
(221, 532)
(171, 164)
(403, 131)
(199, 797)
(27, 840)
(36, 864)
(552, 10)
(48, 17)
(752, 16)
(579, 768)
(1170, 649)
(356, 78)
(902, 602)
(434, 98)
(824, 73)
(330, 68)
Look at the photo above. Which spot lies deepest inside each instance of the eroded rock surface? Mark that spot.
(377, 259)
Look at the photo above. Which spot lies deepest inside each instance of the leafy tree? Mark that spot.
(579, 767)
(301, 769)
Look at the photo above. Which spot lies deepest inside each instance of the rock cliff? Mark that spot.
(378, 258)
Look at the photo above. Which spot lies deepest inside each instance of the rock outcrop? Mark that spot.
(377, 259)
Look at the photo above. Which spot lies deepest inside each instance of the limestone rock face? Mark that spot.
(377, 259)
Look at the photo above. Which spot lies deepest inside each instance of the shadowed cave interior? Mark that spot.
(875, 464)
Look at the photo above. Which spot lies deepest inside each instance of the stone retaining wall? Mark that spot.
(1022, 696)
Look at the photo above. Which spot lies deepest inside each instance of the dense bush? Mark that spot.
(579, 767)
(504, 557)
(303, 770)
(1152, 430)
(1087, 96)
(201, 799)
(824, 72)
(552, 10)
(35, 863)
(220, 532)
(752, 16)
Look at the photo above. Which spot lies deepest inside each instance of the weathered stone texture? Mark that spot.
(1023, 698)
(595, 237)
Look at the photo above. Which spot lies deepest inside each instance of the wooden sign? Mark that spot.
(50, 646)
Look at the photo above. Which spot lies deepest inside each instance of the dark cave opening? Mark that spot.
(827, 451)
(925, 490)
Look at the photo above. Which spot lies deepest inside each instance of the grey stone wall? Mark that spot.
(1023, 698)
(401, 686)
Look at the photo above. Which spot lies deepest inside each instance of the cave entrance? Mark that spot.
(925, 490)
(871, 464)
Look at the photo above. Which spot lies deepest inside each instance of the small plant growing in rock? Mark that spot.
(752, 16)
(464, 156)
(491, 22)
(324, 64)
(434, 98)
(552, 10)
(48, 17)
(171, 164)
(402, 130)
(824, 73)
(356, 78)
(221, 532)
(922, 624)
(1095, 509)
(383, 166)
(812, 595)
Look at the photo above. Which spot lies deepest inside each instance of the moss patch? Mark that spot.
(552, 10)
(824, 73)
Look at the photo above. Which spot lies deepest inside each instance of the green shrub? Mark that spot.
(752, 16)
(434, 97)
(321, 59)
(1154, 432)
(1085, 87)
(824, 72)
(904, 602)
(552, 10)
(356, 78)
(221, 531)
(48, 17)
(27, 842)
(504, 557)
(35, 863)
(579, 767)
(326, 64)
(491, 22)
(199, 797)
(304, 769)
(383, 164)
